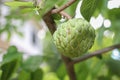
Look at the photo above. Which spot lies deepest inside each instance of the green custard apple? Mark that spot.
(74, 37)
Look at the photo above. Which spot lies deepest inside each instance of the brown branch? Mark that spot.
(98, 52)
(65, 15)
(49, 22)
(70, 68)
(63, 7)
(52, 27)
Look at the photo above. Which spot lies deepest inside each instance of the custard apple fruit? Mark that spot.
(74, 37)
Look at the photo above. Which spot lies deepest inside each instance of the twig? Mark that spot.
(63, 7)
(98, 52)
(65, 14)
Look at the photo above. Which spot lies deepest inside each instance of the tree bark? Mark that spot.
(69, 68)
(52, 27)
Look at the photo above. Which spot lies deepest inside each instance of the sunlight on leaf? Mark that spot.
(18, 3)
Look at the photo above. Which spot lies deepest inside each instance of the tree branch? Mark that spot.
(65, 14)
(63, 7)
(69, 68)
(98, 52)
(52, 27)
(49, 22)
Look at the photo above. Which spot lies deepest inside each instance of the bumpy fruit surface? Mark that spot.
(74, 37)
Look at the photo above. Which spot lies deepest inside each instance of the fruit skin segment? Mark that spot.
(74, 37)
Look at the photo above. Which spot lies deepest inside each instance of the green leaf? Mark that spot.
(114, 14)
(48, 4)
(28, 75)
(95, 66)
(11, 55)
(8, 69)
(99, 56)
(104, 78)
(100, 35)
(24, 75)
(27, 10)
(37, 75)
(114, 67)
(12, 49)
(115, 27)
(0, 73)
(18, 3)
(32, 63)
(61, 2)
(116, 38)
(51, 76)
(82, 70)
(61, 71)
(71, 9)
(87, 8)
(56, 16)
(10, 63)
(102, 7)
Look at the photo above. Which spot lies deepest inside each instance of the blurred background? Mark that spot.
(28, 32)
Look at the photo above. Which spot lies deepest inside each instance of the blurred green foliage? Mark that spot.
(13, 64)
(13, 67)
